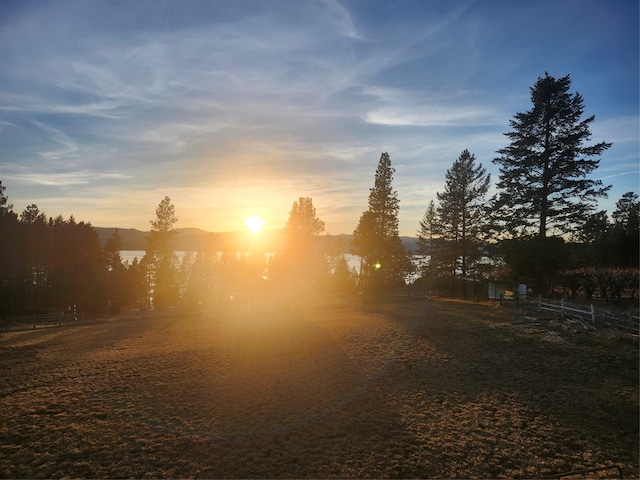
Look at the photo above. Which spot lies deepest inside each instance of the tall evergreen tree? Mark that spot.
(35, 255)
(543, 171)
(303, 221)
(376, 238)
(116, 281)
(111, 251)
(462, 210)
(202, 287)
(610, 246)
(590, 246)
(160, 255)
(5, 207)
(627, 212)
(429, 243)
(624, 234)
(11, 272)
(302, 264)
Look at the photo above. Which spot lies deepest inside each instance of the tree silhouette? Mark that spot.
(624, 234)
(202, 289)
(5, 207)
(385, 263)
(429, 244)
(76, 266)
(36, 254)
(301, 268)
(543, 184)
(160, 258)
(303, 222)
(11, 249)
(117, 285)
(461, 211)
(543, 171)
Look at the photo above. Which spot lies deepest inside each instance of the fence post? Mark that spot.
(593, 314)
(562, 308)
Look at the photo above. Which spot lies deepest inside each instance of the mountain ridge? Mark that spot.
(196, 239)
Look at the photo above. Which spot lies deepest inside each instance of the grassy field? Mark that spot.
(414, 388)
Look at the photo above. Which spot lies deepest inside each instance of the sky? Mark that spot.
(238, 108)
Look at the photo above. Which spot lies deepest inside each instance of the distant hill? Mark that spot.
(195, 239)
(132, 239)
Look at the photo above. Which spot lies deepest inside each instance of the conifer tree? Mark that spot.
(429, 243)
(543, 171)
(111, 251)
(116, 288)
(544, 189)
(10, 258)
(160, 257)
(302, 265)
(462, 211)
(625, 232)
(5, 207)
(303, 220)
(376, 238)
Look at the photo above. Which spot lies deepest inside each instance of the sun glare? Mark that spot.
(254, 223)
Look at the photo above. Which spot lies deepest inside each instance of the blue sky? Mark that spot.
(234, 108)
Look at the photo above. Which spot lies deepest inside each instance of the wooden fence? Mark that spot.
(44, 320)
(621, 320)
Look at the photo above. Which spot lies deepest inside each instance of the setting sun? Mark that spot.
(254, 223)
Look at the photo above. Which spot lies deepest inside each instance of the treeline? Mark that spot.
(56, 264)
(541, 228)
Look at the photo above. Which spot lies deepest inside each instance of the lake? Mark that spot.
(128, 255)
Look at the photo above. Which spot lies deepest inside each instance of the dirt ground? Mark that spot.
(414, 388)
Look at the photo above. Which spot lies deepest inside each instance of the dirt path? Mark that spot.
(412, 389)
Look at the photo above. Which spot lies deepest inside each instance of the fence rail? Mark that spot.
(621, 320)
(44, 320)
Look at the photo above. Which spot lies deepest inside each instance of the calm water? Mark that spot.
(352, 260)
(128, 256)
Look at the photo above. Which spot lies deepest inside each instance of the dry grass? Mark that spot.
(410, 389)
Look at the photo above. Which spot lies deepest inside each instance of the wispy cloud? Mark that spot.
(64, 179)
(635, 173)
(66, 146)
(621, 129)
(431, 115)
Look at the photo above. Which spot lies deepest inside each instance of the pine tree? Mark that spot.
(115, 288)
(11, 262)
(160, 257)
(376, 239)
(462, 211)
(429, 242)
(111, 251)
(301, 267)
(627, 212)
(303, 220)
(543, 171)
(165, 219)
(624, 234)
(5, 207)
